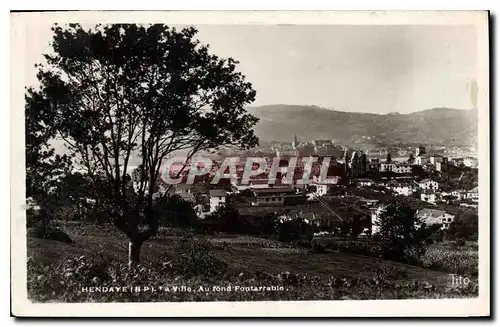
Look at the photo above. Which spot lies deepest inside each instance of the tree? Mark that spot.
(122, 91)
(411, 159)
(175, 212)
(43, 166)
(464, 226)
(75, 190)
(225, 219)
(389, 158)
(400, 239)
(356, 226)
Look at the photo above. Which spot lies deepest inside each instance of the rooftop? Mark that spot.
(218, 192)
(431, 213)
(274, 190)
(364, 180)
(474, 190)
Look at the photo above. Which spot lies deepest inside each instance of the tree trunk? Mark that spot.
(134, 250)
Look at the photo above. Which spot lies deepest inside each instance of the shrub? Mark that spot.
(64, 282)
(297, 231)
(442, 257)
(49, 233)
(194, 257)
(225, 219)
(32, 217)
(383, 274)
(465, 226)
(58, 235)
(174, 211)
(318, 248)
(371, 249)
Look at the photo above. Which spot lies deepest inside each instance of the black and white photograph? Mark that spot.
(285, 161)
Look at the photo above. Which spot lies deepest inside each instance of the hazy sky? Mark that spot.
(377, 69)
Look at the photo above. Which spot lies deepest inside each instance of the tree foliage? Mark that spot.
(400, 239)
(121, 91)
(173, 211)
(464, 226)
(43, 165)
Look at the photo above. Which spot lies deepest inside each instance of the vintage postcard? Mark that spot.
(250, 164)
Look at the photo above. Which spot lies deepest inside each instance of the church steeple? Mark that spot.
(295, 142)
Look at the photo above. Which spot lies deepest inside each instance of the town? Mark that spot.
(331, 171)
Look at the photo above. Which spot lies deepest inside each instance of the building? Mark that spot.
(473, 194)
(457, 161)
(295, 142)
(428, 184)
(470, 162)
(306, 149)
(403, 189)
(400, 159)
(322, 189)
(217, 197)
(323, 186)
(184, 191)
(459, 194)
(287, 153)
(419, 151)
(328, 150)
(321, 142)
(429, 196)
(435, 217)
(363, 182)
(387, 166)
(356, 165)
(402, 169)
(422, 159)
(434, 158)
(440, 166)
(271, 196)
(331, 180)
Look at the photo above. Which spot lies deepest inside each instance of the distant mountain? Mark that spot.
(434, 126)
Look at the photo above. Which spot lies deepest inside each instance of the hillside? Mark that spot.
(434, 126)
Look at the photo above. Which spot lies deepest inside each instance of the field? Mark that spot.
(220, 267)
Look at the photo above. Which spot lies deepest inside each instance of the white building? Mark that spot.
(440, 166)
(459, 194)
(433, 217)
(365, 182)
(470, 162)
(473, 194)
(332, 180)
(217, 197)
(271, 196)
(403, 189)
(387, 166)
(435, 158)
(322, 187)
(428, 184)
(422, 159)
(287, 153)
(402, 169)
(430, 197)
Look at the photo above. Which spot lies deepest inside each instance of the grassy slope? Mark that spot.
(237, 255)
